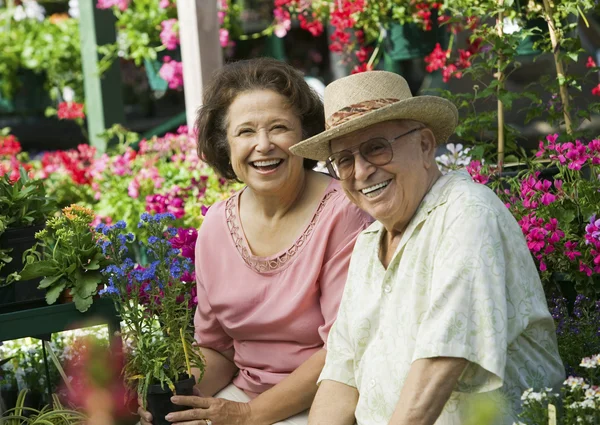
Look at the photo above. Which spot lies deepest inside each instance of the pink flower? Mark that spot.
(163, 4)
(223, 37)
(283, 22)
(474, 169)
(108, 4)
(436, 59)
(204, 210)
(172, 72)
(169, 36)
(570, 251)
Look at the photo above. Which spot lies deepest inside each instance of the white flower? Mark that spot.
(574, 381)
(591, 362)
(510, 26)
(74, 8)
(30, 9)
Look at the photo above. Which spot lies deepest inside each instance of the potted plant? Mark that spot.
(560, 214)
(67, 257)
(154, 303)
(56, 415)
(24, 207)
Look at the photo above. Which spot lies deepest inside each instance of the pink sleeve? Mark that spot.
(208, 330)
(346, 225)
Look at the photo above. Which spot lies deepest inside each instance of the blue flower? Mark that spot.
(100, 227)
(165, 216)
(109, 289)
(104, 245)
(120, 224)
(172, 232)
(175, 270)
(146, 217)
(152, 240)
(173, 252)
(122, 239)
(130, 237)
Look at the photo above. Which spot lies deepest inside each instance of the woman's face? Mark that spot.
(261, 127)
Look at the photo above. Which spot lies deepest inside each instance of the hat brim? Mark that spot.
(438, 114)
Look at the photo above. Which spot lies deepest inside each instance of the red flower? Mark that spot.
(590, 63)
(363, 67)
(70, 111)
(9, 145)
(596, 90)
(436, 59)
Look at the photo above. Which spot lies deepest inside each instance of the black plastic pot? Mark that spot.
(19, 295)
(159, 400)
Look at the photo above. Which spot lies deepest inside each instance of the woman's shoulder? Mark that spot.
(216, 215)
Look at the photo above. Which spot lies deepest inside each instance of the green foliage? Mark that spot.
(49, 47)
(67, 257)
(23, 203)
(55, 415)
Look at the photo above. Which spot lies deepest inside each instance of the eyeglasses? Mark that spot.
(376, 151)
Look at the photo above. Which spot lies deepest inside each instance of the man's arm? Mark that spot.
(334, 404)
(427, 388)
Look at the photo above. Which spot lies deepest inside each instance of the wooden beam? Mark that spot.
(200, 49)
(103, 96)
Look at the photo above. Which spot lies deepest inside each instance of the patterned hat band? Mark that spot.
(353, 111)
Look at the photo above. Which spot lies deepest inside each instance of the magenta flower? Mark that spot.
(570, 250)
(223, 37)
(185, 240)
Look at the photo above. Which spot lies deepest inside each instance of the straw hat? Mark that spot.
(361, 100)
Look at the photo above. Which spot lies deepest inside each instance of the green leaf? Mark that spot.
(87, 284)
(47, 281)
(53, 293)
(82, 304)
(39, 269)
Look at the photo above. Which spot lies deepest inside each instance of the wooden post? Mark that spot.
(103, 95)
(500, 76)
(560, 73)
(200, 49)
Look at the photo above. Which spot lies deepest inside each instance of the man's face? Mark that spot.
(390, 193)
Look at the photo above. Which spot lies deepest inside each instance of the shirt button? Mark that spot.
(387, 289)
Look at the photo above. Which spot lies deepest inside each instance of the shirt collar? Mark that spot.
(437, 195)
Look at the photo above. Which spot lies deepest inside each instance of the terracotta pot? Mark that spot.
(67, 297)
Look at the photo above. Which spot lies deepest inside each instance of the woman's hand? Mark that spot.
(145, 416)
(217, 410)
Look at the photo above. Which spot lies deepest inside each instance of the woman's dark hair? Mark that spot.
(248, 75)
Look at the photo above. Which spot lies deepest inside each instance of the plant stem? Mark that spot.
(560, 73)
(500, 76)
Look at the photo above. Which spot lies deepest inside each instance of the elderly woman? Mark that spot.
(271, 261)
(443, 306)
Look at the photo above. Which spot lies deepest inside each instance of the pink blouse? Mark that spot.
(274, 311)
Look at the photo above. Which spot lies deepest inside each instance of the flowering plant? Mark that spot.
(558, 210)
(154, 302)
(578, 333)
(578, 402)
(67, 257)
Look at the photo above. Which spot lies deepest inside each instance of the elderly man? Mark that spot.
(443, 306)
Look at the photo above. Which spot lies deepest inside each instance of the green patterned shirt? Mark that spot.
(462, 283)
